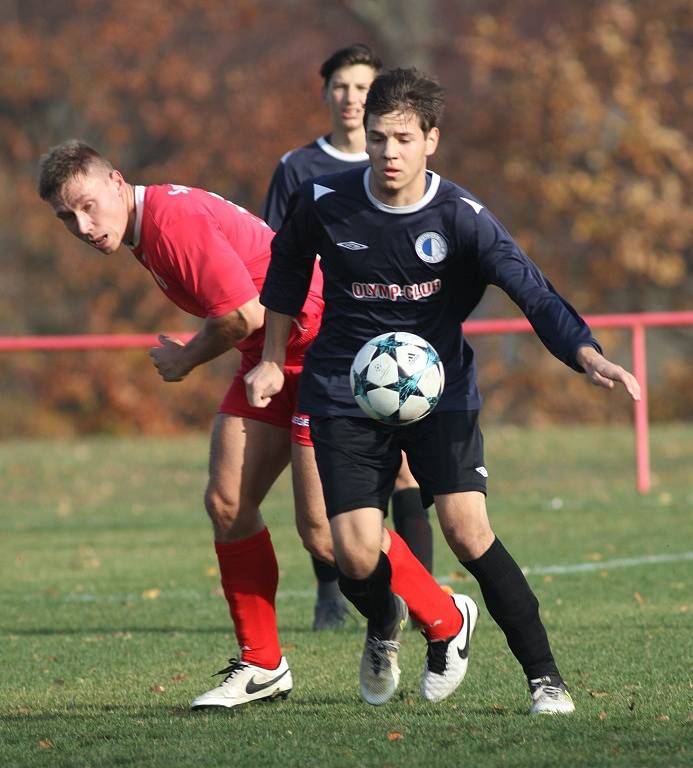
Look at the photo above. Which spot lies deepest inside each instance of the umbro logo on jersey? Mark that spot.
(482, 471)
(352, 246)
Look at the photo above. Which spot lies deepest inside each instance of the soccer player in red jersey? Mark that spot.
(210, 257)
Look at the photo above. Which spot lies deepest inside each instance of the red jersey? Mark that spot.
(210, 256)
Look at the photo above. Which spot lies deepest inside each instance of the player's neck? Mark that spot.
(129, 236)
(351, 142)
(408, 195)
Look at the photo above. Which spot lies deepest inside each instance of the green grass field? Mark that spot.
(112, 620)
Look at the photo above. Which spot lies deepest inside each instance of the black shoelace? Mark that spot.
(378, 650)
(235, 665)
(436, 655)
(552, 685)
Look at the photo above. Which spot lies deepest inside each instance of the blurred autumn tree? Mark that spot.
(571, 121)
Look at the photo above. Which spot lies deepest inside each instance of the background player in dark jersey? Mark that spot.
(422, 239)
(210, 257)
(347, 75)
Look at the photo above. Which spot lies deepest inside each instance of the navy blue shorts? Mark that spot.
(358, 458)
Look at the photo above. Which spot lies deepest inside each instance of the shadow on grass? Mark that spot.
(189, 630)
(638, 624)
(96, 713)
(115, 630)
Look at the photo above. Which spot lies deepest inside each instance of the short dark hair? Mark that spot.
(401, 90)
(65, 161)
(359, 53)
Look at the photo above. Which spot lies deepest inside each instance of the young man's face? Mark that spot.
(345, 94)
(93, 206)
(398, 148)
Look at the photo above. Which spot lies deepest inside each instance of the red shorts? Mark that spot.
(281, 411)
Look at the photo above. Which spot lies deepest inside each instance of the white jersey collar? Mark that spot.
(345, 157)
(429, 194)
(139, 210)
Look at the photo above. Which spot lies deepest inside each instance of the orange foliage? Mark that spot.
(571, 121)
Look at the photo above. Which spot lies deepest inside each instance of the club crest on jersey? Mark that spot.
(431, 247)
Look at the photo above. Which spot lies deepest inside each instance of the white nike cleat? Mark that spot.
(379, 672)
(246, 682)
(550, 696)
(447, 660)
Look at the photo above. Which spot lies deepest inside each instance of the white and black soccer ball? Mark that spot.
(397, 378)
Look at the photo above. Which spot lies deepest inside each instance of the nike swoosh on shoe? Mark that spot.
(464, 651)
(253, 687)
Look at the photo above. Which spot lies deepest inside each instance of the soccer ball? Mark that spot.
(397, 378)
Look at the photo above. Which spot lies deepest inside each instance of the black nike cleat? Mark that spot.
(447, 660)
(246, 682)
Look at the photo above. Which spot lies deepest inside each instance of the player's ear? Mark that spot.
(432, 138)
(117, 178)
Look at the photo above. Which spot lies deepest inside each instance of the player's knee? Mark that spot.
(404, 483)
(357, 562)
(222, 509)
(468, 543)
(317, 541)
(320, 549)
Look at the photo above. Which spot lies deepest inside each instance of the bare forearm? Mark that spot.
(212, 340)
(267, 378)
(174, 360)
(277, 329)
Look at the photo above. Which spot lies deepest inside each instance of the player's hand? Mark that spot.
(262, 382)
(603, 373)
(168, 359)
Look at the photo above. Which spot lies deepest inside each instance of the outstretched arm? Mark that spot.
(174, 360)
(603, 373)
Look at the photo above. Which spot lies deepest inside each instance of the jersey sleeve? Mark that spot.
(293, 256)
(281, 187)
(503, 263)
(206, 265)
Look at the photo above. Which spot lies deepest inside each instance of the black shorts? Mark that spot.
(358, 459)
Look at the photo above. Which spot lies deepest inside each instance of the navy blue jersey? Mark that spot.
(409, 268)
(318, 158)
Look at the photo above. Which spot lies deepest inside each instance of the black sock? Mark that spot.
(324, 572)
(515, 609)
(373, 598)
(411, 523)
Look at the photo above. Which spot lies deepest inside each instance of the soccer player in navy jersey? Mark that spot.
(398, 247)
(347, 75)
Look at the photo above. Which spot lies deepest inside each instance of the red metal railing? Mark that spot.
(637, 323)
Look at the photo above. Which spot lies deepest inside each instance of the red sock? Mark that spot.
(428, 604)
(249, 577)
